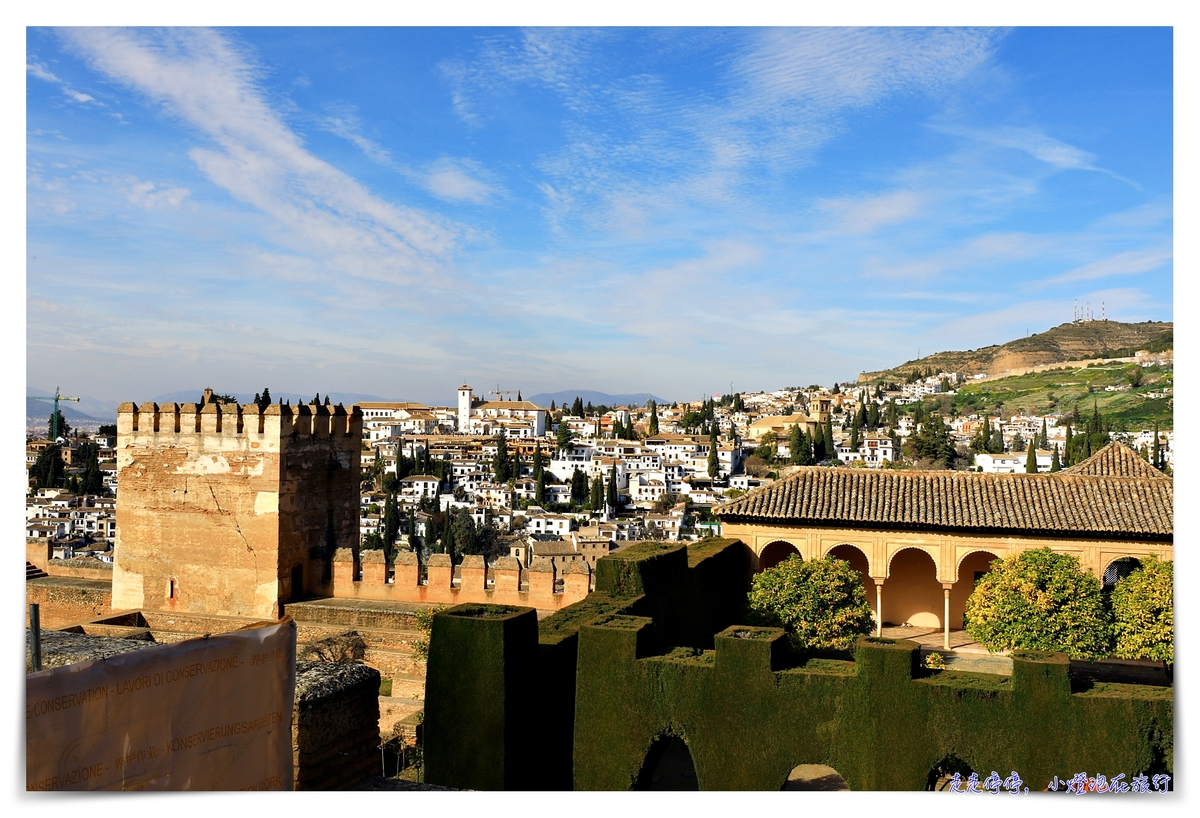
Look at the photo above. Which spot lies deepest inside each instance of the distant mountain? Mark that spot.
(1066, 342)
(43, 409)
(596, 398)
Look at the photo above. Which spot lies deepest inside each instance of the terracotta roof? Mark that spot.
(1116, 460)
(1040, 503)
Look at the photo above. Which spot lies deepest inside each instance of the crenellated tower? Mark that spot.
(220, 507)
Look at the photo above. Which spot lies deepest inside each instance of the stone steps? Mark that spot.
(33, 572)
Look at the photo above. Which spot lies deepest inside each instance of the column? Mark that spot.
(946, 616)
(879, 607)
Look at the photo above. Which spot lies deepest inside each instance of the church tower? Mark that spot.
(464, 408)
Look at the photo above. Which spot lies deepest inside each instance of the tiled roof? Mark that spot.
(1116, 460)
(1033, 503)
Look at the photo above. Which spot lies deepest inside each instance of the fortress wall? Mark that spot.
(198, 522)
(499, 584)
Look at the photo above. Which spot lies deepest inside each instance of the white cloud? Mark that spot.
(1131, 262)
(203, 79)
(41, 72)
(865, 214)
(457, 180)
(1039, 145)
(150, 196)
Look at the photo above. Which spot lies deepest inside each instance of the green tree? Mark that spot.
(795, 442)
(463, 534)
(766, 447)
(1157, 461)
(1040, 600)
(820, 602)
(579, 486)
(830, 446)
(92, 479)
(500, 463)
(652, 428)
(597, 498)
(391, 525)
(932, 442)
(854, 427)
(1031, 460)
(577, 407)
(713, 464)
(64, 428)
(1055, 463)
(611, 499)
(563, 440)
(1143, 606)
(48, 468)
(1043, 441)
(264, 400)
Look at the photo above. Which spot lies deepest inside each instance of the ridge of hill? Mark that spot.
(567, 396)
(1066, 342)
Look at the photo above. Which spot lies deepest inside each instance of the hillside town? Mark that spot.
(509, 478)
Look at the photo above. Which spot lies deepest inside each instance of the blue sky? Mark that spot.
(392, 211)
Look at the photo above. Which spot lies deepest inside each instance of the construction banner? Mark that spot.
(205, 714)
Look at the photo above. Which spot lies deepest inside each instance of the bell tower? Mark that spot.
(464, 408)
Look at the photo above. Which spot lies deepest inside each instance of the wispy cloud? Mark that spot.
(458, 180)
(43, 73)
(1130, 262)
(865, 214)
(1039, 145)
(152, 196)
(207, 81)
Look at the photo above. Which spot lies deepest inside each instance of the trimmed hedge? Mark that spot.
(657, 651)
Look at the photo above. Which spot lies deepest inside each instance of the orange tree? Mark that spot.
(821, 602)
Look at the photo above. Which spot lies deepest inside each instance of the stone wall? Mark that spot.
(335, 725)
(67, 600)
(81, 568)
(221, 506)
(505, 583)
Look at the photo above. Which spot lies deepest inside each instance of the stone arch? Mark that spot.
(970, 567)
(814, 778)
(861, 563)
(776, 552)
(1117, 569)
(913, 594)
(668, 766)
(941, 773)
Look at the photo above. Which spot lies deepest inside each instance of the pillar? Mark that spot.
(879, 607)
(946, 616)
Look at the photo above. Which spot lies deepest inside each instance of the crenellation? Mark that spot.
(275, 422)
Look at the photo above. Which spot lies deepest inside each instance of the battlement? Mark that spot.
(230, 419)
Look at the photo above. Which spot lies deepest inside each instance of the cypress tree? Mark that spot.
(597, 493)
(713, 466)
(551, 406)
(830, 446)
(1031, 460)
(652, 429)
(1055, 463)
(1158, 458)
(266, 398)
(611, 496)
(1068, 452)
(1044, 440)
(854, 433)
(540, 493)
(518, 394)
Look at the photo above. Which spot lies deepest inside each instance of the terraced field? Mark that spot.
(1057, 391)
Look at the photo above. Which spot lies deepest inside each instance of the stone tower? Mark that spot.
(464, 408)
(221, 507)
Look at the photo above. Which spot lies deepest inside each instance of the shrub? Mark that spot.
(424, 621)
(1143, 606)
(821, 601)
(1040, 600)
(344, 647)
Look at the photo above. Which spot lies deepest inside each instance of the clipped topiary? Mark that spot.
(821, 602)
(1040, 600)
(1143, 606)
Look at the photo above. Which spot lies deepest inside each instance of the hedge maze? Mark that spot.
(657, 652)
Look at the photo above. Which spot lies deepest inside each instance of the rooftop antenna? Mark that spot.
(1075, 319)
(1103, 317)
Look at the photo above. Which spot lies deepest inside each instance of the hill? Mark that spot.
(1061, 391)
(595, 398)
(1066, 342)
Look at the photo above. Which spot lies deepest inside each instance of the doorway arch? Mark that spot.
(1118, 569)
(668, 766)
(776, 553)
(970, 570)
(913, 594)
